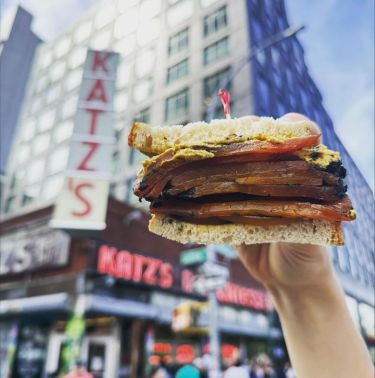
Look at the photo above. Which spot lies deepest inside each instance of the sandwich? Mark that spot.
(239, 181)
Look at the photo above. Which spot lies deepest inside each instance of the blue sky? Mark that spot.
(339, 46)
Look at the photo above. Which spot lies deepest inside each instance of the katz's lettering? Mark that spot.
(134, 267)
(94, 114)
(82, 166)
(97, 92)
(78, 192)
(100, 60)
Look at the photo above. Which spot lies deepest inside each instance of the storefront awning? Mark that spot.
(120, 307)
(40, 303)
(238, 329)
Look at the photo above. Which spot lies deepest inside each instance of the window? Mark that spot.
(69, 107)
(143, 116)
(145, 63)
(46, 120)
(126, 23)
(34, 172)
(41, 143)
(215, 21)
(28, 129)
(101, 40)
(142, 90)
(148, 31)
(63, 131)
(123, 75)
(53, 93)
(52, 186)
(58, 160)
(57, 71)
(83, 32)
(180, 12)
(23, 153)
(121, 101)
(216, 51)
(62, 47)
(211, 83)
(178, 71)
(30, 194)
(73, 80)
(177, 105)
(104, 16)
(126, 45)
(77, 57)
(207, 3)
(149, 9)
(125, 5)
(46, 59)
(41, 83)
(10, 204)
(178, 42)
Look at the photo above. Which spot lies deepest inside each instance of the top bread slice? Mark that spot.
(154, 140)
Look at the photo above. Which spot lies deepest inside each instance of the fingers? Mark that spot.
(296, 117)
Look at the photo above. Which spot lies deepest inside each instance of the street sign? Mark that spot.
(213, 269)
(193, 256)
(203, 284)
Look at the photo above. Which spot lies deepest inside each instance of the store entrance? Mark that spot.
(98, 353)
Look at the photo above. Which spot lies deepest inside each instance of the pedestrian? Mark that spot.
(79, 371)
(188, 371)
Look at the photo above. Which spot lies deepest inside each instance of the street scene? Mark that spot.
(89, 285)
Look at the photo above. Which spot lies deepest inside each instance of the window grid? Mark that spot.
(178, 42)
(215, 21)
(178, 71)
(216, 51)
(177, 105)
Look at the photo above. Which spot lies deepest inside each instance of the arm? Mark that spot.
(320, 335)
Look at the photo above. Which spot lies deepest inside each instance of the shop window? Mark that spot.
(142, 90)
(178, 71)
(148, 31)
(216, 51)
(180, 12)
(215, 21)
(177, 105)
(178, 42)
(145, 63)
(126, 23)
(83, 32)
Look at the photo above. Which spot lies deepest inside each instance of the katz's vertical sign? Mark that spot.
(82, 203)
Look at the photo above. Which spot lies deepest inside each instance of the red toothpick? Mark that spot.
(224, 97)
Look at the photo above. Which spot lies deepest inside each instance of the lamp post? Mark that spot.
(265, 44)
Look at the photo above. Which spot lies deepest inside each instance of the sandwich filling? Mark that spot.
(262, 181)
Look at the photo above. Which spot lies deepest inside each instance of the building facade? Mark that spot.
(16, 59)
(173, 55)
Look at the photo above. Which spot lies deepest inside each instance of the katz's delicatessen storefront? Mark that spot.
(126, 284)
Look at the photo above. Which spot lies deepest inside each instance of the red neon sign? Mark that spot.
(162, 348)
(185, 353)
(133, 267)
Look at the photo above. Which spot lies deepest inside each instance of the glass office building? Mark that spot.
(173, 54)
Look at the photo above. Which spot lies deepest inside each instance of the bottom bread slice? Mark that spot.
(306, 232)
